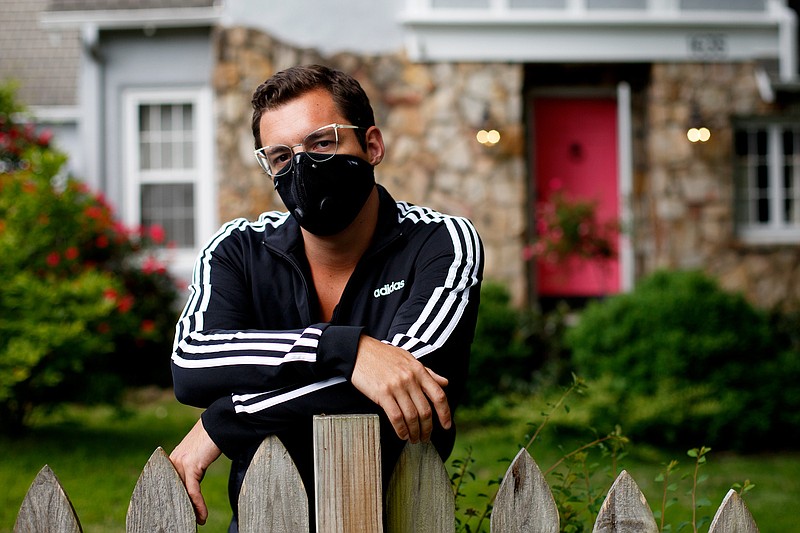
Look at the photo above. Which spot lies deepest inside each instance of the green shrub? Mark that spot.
(683, 361)
(499, 360)
(83, 306)
(514, 350)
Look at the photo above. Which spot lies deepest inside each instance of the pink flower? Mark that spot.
(157, 233)
(110, 295)
(101, 241)
(152, 265)
(53, 259)
(125, 304)
(527, 253)
(45, 137)
(94, 212)
(71, 253)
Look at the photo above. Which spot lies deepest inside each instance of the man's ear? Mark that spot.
(375, 148)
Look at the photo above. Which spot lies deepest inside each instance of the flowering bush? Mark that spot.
(84, 307)
(570, 228)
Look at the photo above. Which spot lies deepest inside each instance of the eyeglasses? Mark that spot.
(320, 145)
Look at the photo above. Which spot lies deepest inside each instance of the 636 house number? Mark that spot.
(708, 44)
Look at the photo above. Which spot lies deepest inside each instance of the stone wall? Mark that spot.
(683, 204)
(428, 114)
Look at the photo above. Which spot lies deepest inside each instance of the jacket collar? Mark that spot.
(287, 238)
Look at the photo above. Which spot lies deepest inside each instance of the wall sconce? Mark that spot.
(697, 132)
(490, 137)
(487, 136)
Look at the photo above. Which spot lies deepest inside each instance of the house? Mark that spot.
(592, 100)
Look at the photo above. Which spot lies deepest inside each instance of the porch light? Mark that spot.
(487, 135)
(488, 138)
(698, 132)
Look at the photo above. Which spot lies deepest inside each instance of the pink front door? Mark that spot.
(575, 156)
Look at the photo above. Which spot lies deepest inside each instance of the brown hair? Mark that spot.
(348, 96)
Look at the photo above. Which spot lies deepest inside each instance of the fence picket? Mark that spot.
(159, 501)
(733, 516)
(524, 501)
(273, 498)
(625, 509)
(46, 507)
(419, 497)
(347, 467)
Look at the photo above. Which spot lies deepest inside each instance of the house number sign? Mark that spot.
(708, 45)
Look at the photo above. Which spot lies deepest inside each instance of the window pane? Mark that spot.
(188, 117)
(616, 4)
(791, 140)
(167, 160)
(144, 118)
(166, 118)
(739, 5)
(740, 142)
(170, 206)
(541, 4)
(752, 176)
(767, 177)
(166, 137)
(761, 142)
(460, 3)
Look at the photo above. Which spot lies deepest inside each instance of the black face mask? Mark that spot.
(326, 197)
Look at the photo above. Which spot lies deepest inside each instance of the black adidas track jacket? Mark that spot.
(250, 348)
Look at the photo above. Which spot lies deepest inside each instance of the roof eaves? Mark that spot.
(121, 19)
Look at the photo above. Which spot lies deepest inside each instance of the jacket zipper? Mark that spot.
(357, 271)
(299, 273)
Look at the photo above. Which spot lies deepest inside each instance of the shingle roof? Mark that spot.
(44, 62)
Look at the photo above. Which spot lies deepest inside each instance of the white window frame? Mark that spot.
(776, 230)
(180, 260)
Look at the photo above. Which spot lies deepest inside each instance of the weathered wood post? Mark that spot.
(420, 497)
(625, 509)
(273, 498)
(46, 507)
(159, 501)
(733, 516)
(347, 468)
(524, 501)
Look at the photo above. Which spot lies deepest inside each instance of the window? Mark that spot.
(168, 144)
(167, 165)
(715, 5)
(767, 177)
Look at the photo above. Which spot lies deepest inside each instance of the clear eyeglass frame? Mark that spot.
(320, 145)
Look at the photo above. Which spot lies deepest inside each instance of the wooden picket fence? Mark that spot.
(349, 496)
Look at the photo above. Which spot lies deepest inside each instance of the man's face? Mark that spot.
(289, 123)
(327, 187)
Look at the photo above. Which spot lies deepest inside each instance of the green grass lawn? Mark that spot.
(98, 453)
(494, 443)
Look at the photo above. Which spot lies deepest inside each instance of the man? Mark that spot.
(349, 303)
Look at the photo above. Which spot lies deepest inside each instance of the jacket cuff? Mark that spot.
(229, 432)
(338, 347)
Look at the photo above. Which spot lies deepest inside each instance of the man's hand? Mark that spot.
(402, 386)
(191, 459)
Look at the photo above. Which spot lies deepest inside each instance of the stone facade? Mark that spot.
(682, 201)
(429, 115)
